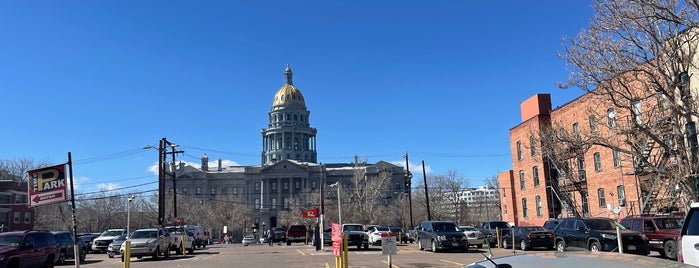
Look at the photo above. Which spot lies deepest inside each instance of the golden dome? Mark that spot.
(288, 93)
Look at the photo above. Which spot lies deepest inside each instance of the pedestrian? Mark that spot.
(270, 237)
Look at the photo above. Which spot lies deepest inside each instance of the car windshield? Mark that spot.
(536, 229)
(445, 227)
(353, 228)
(396, 229)
(382, 229)
(10, 240)
(144, 234)
(499, 225)
(111, 233)
(602, 224)
(668, 223)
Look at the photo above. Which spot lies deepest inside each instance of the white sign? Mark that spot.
(388, 245)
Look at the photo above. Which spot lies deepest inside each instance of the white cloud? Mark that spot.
(78, 182)
(108, 186)
(415, 168)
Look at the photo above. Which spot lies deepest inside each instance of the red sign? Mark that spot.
(336, 248)
(47, 185)
(312, 213)
(336, 233)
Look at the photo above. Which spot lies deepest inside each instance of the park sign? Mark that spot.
(47, 185)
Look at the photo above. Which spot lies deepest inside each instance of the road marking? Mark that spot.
(302, 254)
(207, 257)
(393, 265)
(453, 262)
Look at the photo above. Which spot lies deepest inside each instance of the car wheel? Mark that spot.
(419, 245)
(595, 247)
(479, 246)
(434, 246)
(178, 251)
(83, 255)
(560, 246)
(122, 258)
(523, 245)
(61, 258)
(48, 264)
(288, 243)
(167, 253)
(670, 249)
(191, 249)
(366, 246)
(156, 254)
(504, 243)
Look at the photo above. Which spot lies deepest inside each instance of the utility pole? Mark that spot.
(427, 195)
(162, 150)
(409, 190)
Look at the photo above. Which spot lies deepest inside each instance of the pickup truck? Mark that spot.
(177, 235)
(296, 233)
(489, 228)
(356, 235)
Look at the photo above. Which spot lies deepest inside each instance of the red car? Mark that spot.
(661, 231)
(28, 249)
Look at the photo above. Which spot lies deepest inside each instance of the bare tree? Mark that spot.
(638, 57)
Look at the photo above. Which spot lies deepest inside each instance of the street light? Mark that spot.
(128, 216)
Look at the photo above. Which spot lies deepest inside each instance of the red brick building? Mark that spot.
(604, 181)
(15, 215)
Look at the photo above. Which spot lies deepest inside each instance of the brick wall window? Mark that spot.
(539, 211)
(621, 195)
(535, 174)
(532, 145)
(581, 168)
(600, 198)
(662, 101)
(521, 179)
(16, 217)
(27, 217)
(611, 118)
(598, 162)
(576, 130)
(519, 150)
(585, 206)
(524, 207)
(617, 158)
(504, 209)
(593, 124)
(636, 110)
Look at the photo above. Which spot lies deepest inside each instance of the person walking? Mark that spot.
(270, 237)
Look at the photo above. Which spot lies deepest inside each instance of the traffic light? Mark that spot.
(408, 179)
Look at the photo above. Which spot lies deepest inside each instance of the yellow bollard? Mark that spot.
(184, 248)
(497, 236)
(344, 251)
(127, 254)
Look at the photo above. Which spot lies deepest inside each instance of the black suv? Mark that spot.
(598, 234)
(28, 249)
(65, 239)
(441, 235)
(551, 224)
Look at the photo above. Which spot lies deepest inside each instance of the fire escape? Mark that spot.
(567, 164)
(652, 164)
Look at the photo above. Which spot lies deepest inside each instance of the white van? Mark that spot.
(688, 252)
(200, 234)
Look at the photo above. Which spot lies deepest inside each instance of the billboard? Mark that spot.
(47, 185)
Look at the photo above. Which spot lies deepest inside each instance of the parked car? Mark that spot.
(575, 259)
(327, 237)
(551, 224)
(296, 233)
(689, 237)
(87, 239)
(474, 236)
(356, 236)
(248, 240)
(598, 234)
(181, 240)
(527, 237)
(491, 230)
(201, 236)
(148, 242)
(101, 243)
(441, 235)
(376, 233)
(67, 242)
(279, 234)
(401, 235)
(28, 249)
(115, 246)
(662, 232)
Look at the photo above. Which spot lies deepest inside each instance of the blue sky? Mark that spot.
(441, 80)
